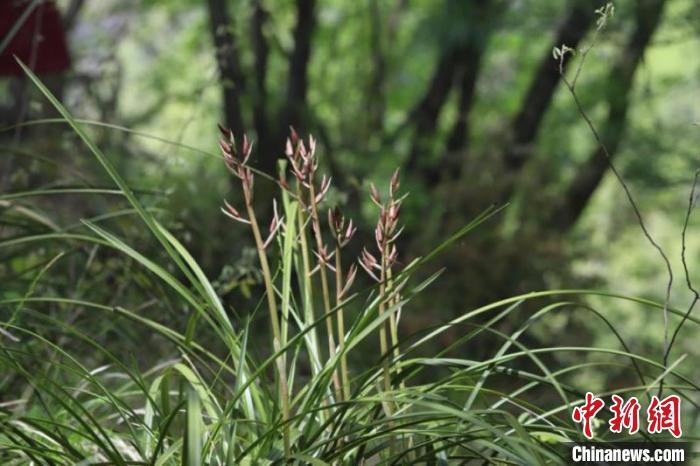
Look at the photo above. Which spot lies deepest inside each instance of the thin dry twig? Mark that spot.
(560, 54)
(696, 296)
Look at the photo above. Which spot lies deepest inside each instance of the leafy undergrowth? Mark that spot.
(215, 398)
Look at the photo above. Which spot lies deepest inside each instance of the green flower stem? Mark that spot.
(382, 329)
(341, 324)
(324, 286)
(274, 319)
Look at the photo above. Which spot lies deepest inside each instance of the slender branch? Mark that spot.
(692, 200)
(620, 82)
(562, 53)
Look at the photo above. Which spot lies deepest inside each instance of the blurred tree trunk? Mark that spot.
(526, 124)
(620, 85)
(456, 150)
(516, 264)
(270, 127)
(227, 60)
(375, 95)
(459, 67)
(299, 61)
(425, 114)
(261, 51)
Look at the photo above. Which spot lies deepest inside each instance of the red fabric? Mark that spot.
(48, 55)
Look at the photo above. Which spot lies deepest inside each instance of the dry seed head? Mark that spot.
(303, 161)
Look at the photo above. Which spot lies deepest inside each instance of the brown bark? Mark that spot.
(299, 62)
(228, 64)
(261, 50)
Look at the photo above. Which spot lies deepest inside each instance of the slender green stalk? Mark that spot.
(324, 286)
(274, 319)
(393, 321)
(393, 325)
(307, 289)
(382, 329)
(344, 374)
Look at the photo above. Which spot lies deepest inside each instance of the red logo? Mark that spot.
(587, 412)
(665, 415)
(662, 415)
(624, 415)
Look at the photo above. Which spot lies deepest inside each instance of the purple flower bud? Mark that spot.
(293, 136)
(231, 212)
(394, 185)
(350, 278)
(374, 194)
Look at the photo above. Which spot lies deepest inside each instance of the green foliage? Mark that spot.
(206, 394)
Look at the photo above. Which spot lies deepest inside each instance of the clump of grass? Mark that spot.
(210, 397)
